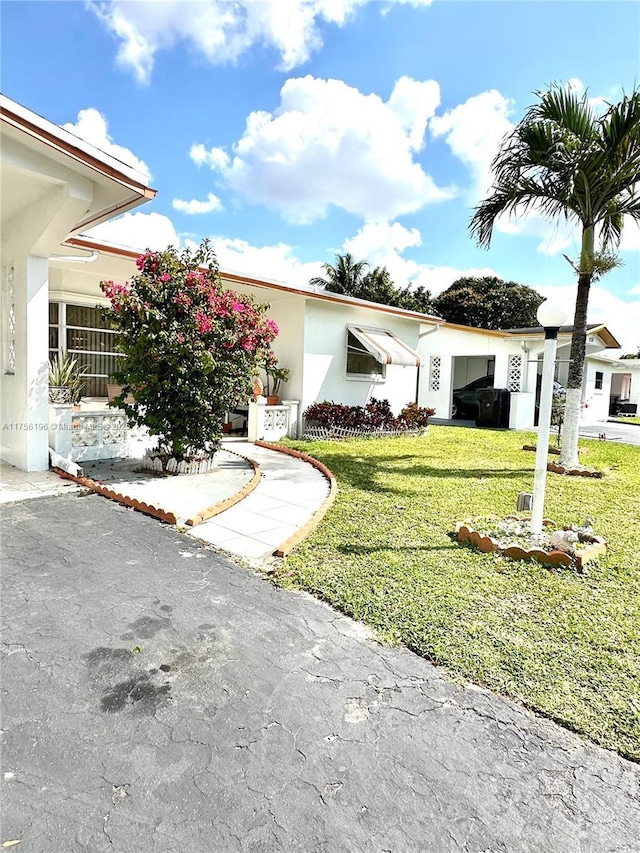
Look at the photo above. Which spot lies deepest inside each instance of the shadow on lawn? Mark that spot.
(367, 476)
(360, 550)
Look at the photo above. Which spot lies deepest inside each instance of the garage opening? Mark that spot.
(471, 374)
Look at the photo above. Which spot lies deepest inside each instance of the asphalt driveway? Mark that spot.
(156, 697)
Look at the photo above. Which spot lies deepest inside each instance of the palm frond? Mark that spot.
(565, 162)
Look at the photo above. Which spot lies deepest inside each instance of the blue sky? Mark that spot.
(289, 131)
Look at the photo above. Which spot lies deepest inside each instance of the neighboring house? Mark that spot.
(458, 355)
(54, 186)
(622, 378)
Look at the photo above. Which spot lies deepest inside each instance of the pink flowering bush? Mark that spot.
(191, 348)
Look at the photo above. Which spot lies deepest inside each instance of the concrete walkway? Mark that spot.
(157, 698)
(289, 492)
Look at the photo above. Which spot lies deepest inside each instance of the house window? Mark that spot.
(360, 362)
(599, 380)
(83, 333)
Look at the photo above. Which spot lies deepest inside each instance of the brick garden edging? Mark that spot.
(285, 548)
(159, 512)
(485, 543)
(141, 506)
(216, 509)
(556, 468)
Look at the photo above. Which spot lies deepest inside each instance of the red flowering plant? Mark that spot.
(190, 346)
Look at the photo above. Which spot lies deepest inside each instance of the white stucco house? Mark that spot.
(55, 186)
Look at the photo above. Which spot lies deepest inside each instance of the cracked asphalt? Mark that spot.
(157, 697)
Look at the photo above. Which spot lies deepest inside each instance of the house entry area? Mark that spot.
(470, 374)
(619, 403)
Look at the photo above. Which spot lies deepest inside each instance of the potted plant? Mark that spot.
(66, 379)
(275, 377)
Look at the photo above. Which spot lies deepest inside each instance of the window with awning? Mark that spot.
(370, 350)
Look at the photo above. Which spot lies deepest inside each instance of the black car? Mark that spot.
(465, 399)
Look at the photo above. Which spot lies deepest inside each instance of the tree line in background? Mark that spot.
(487, 302)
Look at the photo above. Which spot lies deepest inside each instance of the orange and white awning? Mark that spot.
(385, 347)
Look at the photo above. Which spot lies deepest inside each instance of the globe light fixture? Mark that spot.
(551, 317)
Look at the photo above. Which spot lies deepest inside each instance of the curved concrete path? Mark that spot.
(289, 493)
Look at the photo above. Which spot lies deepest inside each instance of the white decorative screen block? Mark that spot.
(435, 367)
(514, 379)
(97, 429)
(276, 419)
(9, 322)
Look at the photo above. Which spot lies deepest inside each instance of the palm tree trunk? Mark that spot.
(573, 403)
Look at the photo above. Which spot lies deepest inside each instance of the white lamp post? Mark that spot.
(551, 317)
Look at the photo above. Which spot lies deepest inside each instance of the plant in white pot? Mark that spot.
(275, 377)
(66, 379)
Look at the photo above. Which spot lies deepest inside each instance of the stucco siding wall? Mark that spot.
(446, 344)
(596, 400)
(325, 357)
(288, 313)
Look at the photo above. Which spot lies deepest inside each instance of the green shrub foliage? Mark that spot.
(191, 347)
(376, 415)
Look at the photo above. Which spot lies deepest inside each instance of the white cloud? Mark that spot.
(329, 144)
(221, 31)
(215, 158)
(211, 203)
(383, 244)
(630, 235)
(138, 231)
(621, 316)
(473, 131)
(276, 262)
(154, 231)
(91, 126)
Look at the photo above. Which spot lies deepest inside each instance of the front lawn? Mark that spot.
(631, 420)
(566, 645)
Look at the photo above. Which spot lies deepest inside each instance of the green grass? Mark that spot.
(566, 645)
(631, 420)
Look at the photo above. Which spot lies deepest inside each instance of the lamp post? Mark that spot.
(551, 317)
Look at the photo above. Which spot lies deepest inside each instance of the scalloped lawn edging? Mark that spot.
(221, 506)
(486, 544)
(159, 512)
(148, 509)
(285, 548)
(556, 468)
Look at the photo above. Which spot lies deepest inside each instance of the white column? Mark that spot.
(255, 426)
(25, 393)
(292, 431)
(60, 428)
(544, 424)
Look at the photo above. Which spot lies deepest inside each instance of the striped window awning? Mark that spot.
(385, 347)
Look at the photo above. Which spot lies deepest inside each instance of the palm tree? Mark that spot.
(342, 277)
(567, 162)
